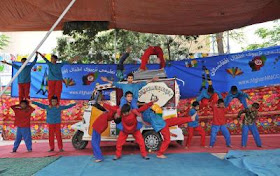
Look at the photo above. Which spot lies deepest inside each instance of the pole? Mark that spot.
(39, 45)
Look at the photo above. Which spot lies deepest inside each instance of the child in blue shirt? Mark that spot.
(235, 93)
(24, 78)
(194, 126)
(54, 121)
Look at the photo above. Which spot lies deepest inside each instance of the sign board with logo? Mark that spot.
(163, 90)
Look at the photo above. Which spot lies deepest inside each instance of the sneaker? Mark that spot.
(61, 150)
(98, 161)
(51, 150)
(29, 150)
(116, 158)
(243, 146)
(210, 146)
(146, 158)
(229, 146)
(259, 146)
(14, 151)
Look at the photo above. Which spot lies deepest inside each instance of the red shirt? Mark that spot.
(219, 117)
(129, 121)
(101, 123)
(22, 116)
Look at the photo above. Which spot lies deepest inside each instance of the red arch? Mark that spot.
(152, 50)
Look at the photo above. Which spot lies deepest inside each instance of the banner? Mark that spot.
(245, 70)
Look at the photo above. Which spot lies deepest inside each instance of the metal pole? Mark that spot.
(39, 45)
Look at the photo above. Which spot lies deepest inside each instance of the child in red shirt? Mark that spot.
(129, 122)
(219, 123)
(23, 113)
(98, 127)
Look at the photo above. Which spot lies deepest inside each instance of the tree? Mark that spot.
(94, 43)
(4, 40)
(271, 37)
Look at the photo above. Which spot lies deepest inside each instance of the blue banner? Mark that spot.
(245, 70)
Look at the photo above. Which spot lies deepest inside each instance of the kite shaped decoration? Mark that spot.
(234, 71)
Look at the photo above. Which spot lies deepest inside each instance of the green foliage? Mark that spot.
(93, 43)
(4, 40)
(271, 37)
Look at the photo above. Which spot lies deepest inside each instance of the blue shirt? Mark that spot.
(53, 113)
(195, 122)
(155, 120)
(204, 94)
(134, 88)
(239, 95)
(25, 74)
(55, 73)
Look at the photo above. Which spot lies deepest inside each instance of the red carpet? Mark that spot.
(108, 148)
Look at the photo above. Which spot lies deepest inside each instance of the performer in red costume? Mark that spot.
(99, 126)
(152, 50)
(129, 121)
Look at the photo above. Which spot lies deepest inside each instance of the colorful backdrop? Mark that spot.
(246, 70)
(268, 123)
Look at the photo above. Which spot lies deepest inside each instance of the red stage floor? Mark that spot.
(108, 148)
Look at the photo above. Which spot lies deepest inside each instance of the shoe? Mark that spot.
(14, 151)
(187, 147)
(161, 156)
(210, 146)
(204, 146)
(98, 161)
(51, 150)
(29, 150)
(259, 146)
(116, 158)
(61, 150)
(243, 146)
(229, 146)
(146, 158)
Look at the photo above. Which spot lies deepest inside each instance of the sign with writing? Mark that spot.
(156, 90)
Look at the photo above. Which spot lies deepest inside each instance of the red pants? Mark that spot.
(55, 88)
(152, 50)
(55, 129)
(200, 132)
(23, 91)
(138, 138)
(166, 133)
(213, 100)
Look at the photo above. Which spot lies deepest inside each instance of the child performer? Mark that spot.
(24, 78)
(99, 126)
(23, 113)
(235, 93)
(194, 126)
(219, 123)
(130, 86)
(249, 123)
(54, 121)
(152, 117)
(55, 76)
(129, 121)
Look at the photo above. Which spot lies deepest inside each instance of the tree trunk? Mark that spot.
(220, 43)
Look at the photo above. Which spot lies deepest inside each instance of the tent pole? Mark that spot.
(39, 45)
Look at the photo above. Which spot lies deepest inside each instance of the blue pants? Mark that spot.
(242, 100)
(215, 129)
(254, 130)
(24, 133)
(95, 143)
